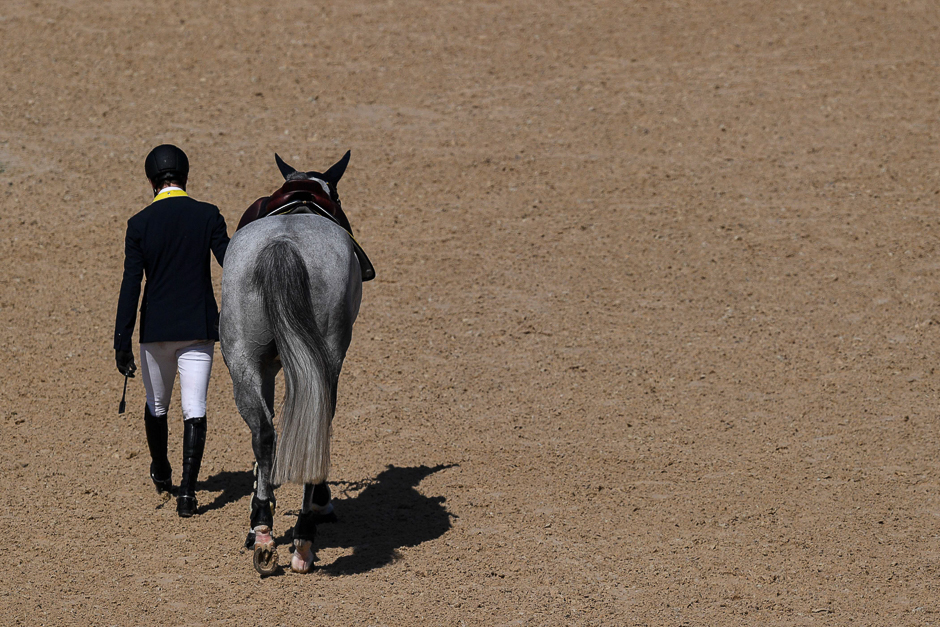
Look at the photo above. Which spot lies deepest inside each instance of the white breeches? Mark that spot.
(159, 362)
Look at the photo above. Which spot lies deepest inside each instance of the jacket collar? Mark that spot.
(170, 192)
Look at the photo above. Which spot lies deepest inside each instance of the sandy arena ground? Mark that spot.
(653, 339)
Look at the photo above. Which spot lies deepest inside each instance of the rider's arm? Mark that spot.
(219, 241)
(130, 290)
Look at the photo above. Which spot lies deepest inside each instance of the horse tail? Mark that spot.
(303, 450)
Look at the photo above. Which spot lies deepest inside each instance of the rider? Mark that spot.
(169, 243)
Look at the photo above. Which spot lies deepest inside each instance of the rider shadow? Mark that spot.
(387, 514)
(234, 486)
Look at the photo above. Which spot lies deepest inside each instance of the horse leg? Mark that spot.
(254, 396)
(317, 508)
(317, 504)
(263, 502)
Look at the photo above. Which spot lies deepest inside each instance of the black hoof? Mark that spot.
(186, 506)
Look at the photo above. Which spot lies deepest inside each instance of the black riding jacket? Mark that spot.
(169, 243)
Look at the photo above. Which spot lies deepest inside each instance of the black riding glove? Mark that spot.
(125, 363)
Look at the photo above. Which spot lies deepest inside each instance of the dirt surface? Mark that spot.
(652, 342)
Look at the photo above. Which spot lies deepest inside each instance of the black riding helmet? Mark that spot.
(167, 163)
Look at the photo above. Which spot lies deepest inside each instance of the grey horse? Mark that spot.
(290, 295)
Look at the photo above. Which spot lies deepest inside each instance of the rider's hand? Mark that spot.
(125, 363)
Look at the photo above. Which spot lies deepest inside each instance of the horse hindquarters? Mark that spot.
(303, 452)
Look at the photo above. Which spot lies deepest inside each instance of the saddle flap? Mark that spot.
(255, 211)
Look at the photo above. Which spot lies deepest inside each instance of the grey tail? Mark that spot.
(303, 449)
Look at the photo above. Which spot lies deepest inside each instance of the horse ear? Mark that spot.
(335, 173)
(285, 169)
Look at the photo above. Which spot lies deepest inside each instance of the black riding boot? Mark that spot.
(161, 473)
(194, 443)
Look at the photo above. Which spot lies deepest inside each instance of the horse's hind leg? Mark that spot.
(317, 508)
(254, 396)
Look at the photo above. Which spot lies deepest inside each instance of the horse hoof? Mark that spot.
(265, 560)
(265, 557)
(302, 559)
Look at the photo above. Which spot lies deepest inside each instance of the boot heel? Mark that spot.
(163, 486)
(186, 506)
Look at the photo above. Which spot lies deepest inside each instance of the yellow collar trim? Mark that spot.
(170, 193)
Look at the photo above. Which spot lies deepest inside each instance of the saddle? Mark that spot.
(304, 196)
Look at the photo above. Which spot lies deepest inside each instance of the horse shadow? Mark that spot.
(376, 517)
(234, 486)
(379, 516)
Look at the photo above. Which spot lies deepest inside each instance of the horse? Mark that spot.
(291, 291)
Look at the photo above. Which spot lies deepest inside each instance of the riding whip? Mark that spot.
(123, 404)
